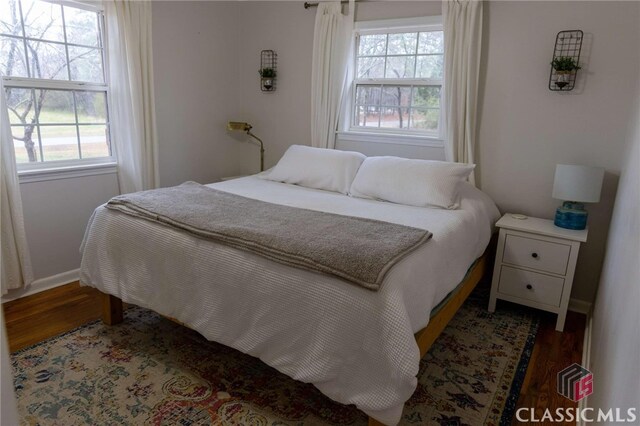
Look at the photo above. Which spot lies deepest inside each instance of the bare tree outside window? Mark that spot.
(398, 80)
(43, 42)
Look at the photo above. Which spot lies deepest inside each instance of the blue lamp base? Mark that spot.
(571, 216)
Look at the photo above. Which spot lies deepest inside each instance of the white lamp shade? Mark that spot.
(578, 183)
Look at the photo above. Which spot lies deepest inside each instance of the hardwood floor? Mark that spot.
(553, 351)
(34, 318)
(42, 315)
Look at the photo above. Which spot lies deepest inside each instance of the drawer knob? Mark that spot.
(534, 255)
(529, 286)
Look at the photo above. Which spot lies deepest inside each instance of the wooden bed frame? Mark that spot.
(112, 308)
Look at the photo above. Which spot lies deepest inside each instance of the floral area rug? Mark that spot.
(151, 371)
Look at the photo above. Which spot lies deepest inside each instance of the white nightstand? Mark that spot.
(535, 263)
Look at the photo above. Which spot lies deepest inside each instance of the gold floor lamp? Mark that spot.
(246, 127)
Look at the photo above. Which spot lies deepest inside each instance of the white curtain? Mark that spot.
(462, 21)
(132, 111)
(332, 43)
(15, 267)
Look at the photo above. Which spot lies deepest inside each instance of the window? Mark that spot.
(398, 78)
(52, 59)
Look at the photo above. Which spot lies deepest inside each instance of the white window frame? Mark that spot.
(349, 131)
(46, 170)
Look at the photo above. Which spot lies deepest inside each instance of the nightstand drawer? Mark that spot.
(536, 254)
(531, 285)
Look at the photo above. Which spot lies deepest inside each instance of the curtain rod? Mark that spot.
(307, 5)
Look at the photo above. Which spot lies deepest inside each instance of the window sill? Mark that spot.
(393, 139)
(66, 172)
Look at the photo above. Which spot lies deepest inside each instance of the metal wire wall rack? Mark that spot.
(568, 45)
(268, 70)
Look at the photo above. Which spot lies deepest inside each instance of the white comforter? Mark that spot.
(355, 345)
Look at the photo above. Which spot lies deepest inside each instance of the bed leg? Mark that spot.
(111, 309)
(374, 422)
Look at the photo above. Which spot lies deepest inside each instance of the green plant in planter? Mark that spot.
(564, 64)
(267, 73)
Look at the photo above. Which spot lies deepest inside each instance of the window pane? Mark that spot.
(426, 96)
(42, 20)
(47, 60)
(94, 141)
(25, 142)
(82, 26)
(91, 107)
(368, 95)
(431, 42)
(368, 116)
(59, 143)
(395, 58)
(397, 118)
(400, 67)
(12, 59)
(56, 106)
(10, 18)
(422, 118)
(396, 95)
(44, 122)
(430, 67)
(86, 64)
(371, 67)
(374, 44)
(20, 103)
(402, 44)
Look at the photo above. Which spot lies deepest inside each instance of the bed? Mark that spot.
(355, 345)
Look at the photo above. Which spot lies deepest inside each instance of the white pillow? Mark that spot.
(328, 169)
(420, 183)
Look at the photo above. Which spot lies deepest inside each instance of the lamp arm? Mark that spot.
(261, 149)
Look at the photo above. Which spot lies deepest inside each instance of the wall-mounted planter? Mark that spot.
(268, 70)
(566, 59)
(267, 84)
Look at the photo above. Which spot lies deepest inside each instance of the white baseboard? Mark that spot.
(579, 306)
(586, 360)
(43, 284)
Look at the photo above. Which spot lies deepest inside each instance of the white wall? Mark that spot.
(195, 52)
(56, 213)
(369, 148)
(525, 129)
(8, 410)
(206, 57)
(616, 336)
(195, 67)
(282, 118)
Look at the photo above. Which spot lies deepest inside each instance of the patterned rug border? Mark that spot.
(508, 408)
(521, 372)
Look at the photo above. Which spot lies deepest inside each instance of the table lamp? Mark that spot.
(576, 185)
(246, 127)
